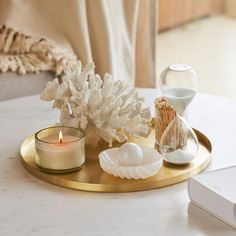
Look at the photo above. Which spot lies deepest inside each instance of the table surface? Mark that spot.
(29, 206)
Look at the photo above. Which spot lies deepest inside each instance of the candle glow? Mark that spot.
(60, 137)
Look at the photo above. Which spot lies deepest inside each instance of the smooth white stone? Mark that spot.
(130, 154)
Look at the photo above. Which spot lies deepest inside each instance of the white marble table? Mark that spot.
(29, 206)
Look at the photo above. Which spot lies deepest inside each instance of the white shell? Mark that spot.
(151, 164)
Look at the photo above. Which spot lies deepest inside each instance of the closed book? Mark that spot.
(215, 192)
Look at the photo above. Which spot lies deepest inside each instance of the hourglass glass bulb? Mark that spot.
(178, 84)
(178, 143)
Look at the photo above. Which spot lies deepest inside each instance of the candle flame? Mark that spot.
(60, 137)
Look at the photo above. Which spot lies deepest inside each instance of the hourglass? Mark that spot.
(178, 143)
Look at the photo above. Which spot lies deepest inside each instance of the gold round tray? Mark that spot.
(93, 178)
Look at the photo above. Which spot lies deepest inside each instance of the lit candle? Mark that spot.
(59, 149)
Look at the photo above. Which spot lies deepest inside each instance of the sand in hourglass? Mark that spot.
(179, 157)
(179, 98)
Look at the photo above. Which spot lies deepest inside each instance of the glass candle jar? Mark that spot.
(60, 149)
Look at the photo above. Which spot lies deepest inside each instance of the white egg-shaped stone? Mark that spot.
(130, 154)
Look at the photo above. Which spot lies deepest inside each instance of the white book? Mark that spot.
(215, 192)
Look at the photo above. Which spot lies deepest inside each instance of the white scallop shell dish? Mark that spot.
(149, 165)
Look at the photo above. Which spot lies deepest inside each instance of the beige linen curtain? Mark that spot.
(116, 34)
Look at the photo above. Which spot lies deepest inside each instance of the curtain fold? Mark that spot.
(112, 33)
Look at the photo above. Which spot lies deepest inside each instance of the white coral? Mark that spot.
(108, 109)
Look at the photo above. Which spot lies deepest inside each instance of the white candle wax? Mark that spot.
(54, 155)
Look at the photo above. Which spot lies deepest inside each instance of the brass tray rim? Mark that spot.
(109, 188)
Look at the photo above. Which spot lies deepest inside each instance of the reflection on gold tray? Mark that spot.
(93, 178)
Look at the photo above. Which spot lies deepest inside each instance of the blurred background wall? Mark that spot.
(201, 33)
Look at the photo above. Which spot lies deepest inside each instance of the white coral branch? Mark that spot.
(109, 109)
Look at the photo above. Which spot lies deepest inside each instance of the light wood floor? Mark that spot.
(209, 46)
